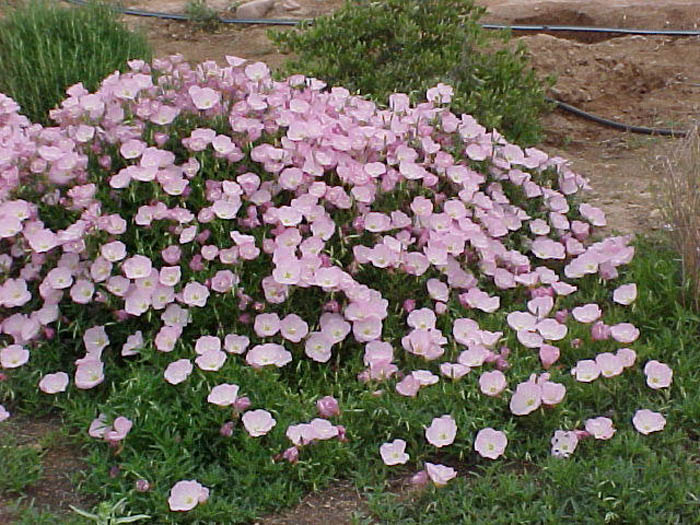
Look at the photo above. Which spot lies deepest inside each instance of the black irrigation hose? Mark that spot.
(558, 103)
(617, 125)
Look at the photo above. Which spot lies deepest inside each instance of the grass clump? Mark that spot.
(44, 49)
(379, 48)
(681, 205)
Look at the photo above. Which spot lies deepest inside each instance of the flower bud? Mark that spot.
(241, 405)
(226, 429)
(328, 407)
(142, 485)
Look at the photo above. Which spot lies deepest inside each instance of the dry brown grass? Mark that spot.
(680, 191)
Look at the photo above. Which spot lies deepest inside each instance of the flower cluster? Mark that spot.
(176, 195)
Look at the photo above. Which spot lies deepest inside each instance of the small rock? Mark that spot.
(290, 5)
(254, 9)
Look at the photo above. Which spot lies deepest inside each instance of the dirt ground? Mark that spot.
(640, 80)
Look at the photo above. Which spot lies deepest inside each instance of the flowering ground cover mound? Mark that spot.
(240, 288)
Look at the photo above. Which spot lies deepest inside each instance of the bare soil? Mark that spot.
(641, 80)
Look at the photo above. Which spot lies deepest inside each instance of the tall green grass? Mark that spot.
(44, 49)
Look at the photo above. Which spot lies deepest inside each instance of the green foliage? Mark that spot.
(378, 48)
(45, 49)
(20, 464)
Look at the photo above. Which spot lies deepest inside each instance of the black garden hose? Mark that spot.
(617, 125)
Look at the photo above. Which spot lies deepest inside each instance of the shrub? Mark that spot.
(197, 259)
(45, 48)
(200, 14)
(379, 48)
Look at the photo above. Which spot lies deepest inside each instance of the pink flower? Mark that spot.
(113, 251)
(98, 427)
(367, 329)
(323, 429)
(419, 479)
(95, 339)
(211, 360)
(408, 386)
(490, 443)
(167, 337)
(81, 292)
(334, 327)
(89, 374)
(269, 354)
(600, 427)
(526, 398)
(266, 325)
(552, 393)
(258, 422)
(425, 377)
(204, 98)
(492, 383)
(551, 330)
(241, 404)
(4, 414)
(328, 407)
(54, 383)
(521, 321)
(624, 333)
(394, 453)
(587, 313)
(646, 421)
(177, 371)
(291, 454)
(440, 474)
(13, 356)
(318, 347)
(592, 214)
(136, 267)
(548, 355)
(60, 278)
(600, 331)
(454, 370)
(610, 365)
(564, 443)
(659, 375)
(169, 275)
(14, 293)
(223, 395)
(207, 342)
(627, 355)
(422, 319)
(186, 494)
(293, 328)
(586, 371)
(133, 344)
(442, 431)
(625, 294)
(195, 294)
(236, 344)
(120, 428)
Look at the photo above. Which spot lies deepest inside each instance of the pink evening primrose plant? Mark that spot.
(225, 231)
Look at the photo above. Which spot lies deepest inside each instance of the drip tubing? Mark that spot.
(540, 28)
(617, 125)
